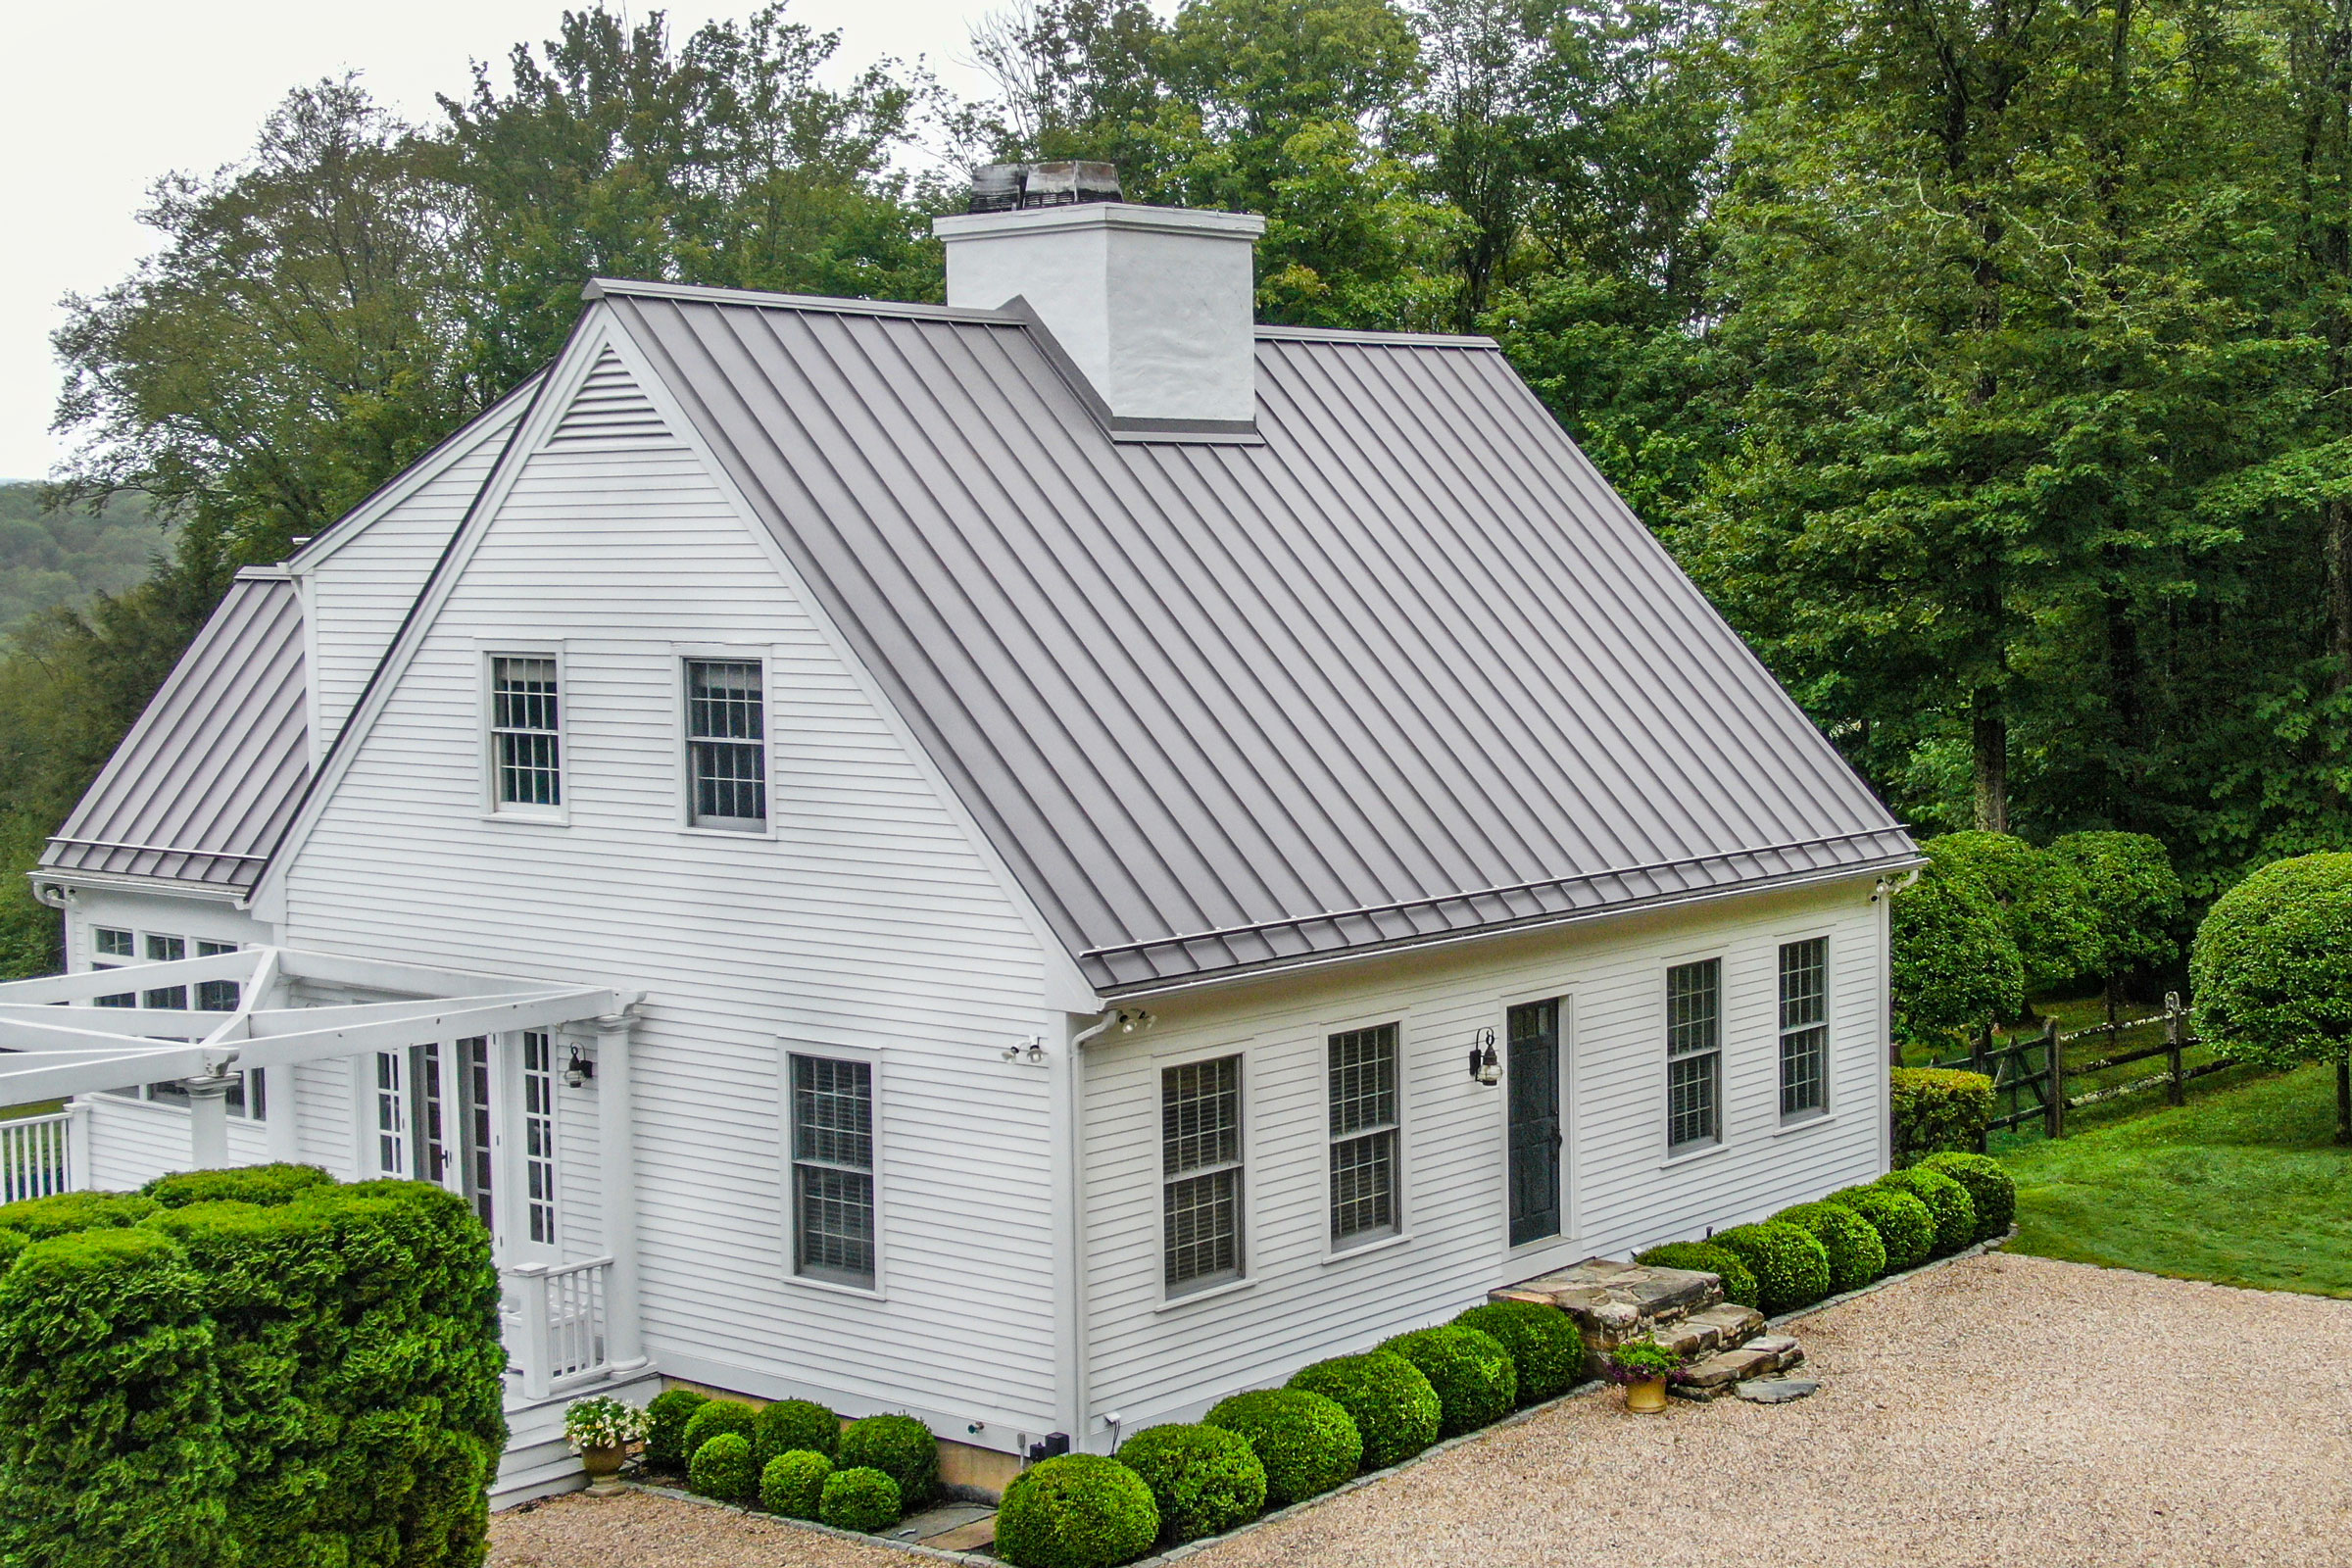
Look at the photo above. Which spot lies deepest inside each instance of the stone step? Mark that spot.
(1714, 1376)
(1725, 1326)
(1613, 1301)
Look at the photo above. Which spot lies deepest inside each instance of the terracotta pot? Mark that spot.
(1647, 1396)
(602, 1465)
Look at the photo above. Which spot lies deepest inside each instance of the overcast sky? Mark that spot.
(105, 96)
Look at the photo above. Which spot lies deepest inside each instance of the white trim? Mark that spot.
(682, 658)
(488, 651)
(1245, 1052)
(1663, 1043)
(1558, 987)
(1400, 1178)
(1827, 936)
(874, 1056)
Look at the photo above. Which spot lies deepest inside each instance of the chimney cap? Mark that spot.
(1015, 187)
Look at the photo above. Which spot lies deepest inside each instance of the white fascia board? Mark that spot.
(150, 886)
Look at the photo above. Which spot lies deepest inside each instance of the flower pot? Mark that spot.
(602, 1465)
(1647, 1396)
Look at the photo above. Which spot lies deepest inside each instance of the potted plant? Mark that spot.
(600, 1431)
(1642, 1366)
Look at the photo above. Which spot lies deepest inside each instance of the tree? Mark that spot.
(2134, 899)
(1952, 964)
(2042, 899)
(2271, 970)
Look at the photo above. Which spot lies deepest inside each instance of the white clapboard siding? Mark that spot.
(867, 919)
(1153, 1361)
(133, 1142)
(326, 1117)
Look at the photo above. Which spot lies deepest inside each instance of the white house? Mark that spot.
(1035, 862)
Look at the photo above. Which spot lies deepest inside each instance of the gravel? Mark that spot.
(2001, 1411)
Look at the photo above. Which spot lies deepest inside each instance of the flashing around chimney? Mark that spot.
(1014, 187)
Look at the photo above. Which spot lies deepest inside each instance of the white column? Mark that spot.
(283, 1135)
(207, 1121)
(78, 1144)
(616, 1150)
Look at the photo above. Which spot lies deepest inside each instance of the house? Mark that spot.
(1035, 862)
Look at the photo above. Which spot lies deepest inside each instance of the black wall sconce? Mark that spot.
(578, 1072)
(1485, 1067)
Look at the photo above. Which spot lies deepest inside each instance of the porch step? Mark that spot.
(1715, 1376)
(1613, 1302)
(538, 1462)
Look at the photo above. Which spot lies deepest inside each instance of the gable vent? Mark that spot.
(609, 410)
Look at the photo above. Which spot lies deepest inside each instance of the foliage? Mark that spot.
(53, 558)
(67, 1212)
(242, 1184)
(1705, 1257)
(1639, 1361)
(1079, 1510)
(1938, 1109)
(1791, 1267)
(1546, 1350)
(2044, 899)
(2271, 970)
(1955, 1213)
(1392, 1405)
(721, 1467)
(1205, 1480)
(793, 1483)
(1953, 963)
(861, 1497)
(1856, 1254)
(1472, 1373)
(714, 1416)
(1906, 1226)
(1307, 1443)
(785, 1425)
(2133, 895)
(601, 1422)
(901, 1446)
(666, 1416)
(1990, 1189)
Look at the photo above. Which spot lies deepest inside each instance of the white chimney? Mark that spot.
(1153, 303)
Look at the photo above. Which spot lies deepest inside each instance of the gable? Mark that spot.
(609, 410)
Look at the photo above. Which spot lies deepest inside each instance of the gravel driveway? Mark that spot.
(2001, 1411)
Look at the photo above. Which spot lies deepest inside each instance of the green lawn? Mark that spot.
(2243, 1187)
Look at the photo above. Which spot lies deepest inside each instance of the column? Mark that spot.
(616, 1138)
(207, 1121)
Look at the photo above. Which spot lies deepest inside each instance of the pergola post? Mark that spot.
(207, 1121)
(616, 1148)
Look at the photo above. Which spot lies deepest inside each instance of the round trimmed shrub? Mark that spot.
(1205, 1480)
(666, 1421)
(1856, 1254)
(1954, 1210)
(1547, 1352)
(1307, 1442)
(1079, 1510)
(793, 1483)
(900, 1448)
(65, 1213)
(722, 1468)
(1791, 1268)
(242, 1184)
(1988, 1184)
(714, 1416)
(1392, 1405)
(788, 1425)
(1472, 1372)
(862, 1498)
(1739, 1279)
(2271, 971)
(1905, 1226)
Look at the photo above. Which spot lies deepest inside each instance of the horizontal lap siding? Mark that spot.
(326, 1117)
(1152, 1364)
(867, 919)
(133, 1142)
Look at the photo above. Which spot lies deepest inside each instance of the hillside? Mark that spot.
(50, 557)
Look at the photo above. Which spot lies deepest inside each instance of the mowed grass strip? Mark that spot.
(2243, 1186)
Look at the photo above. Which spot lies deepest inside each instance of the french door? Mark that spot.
(477, 1116)
(1535, 1136)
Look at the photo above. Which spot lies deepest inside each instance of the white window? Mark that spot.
(539, 1135)
(216, 996)
(1362, 1070)
(833, 1220)
(526, 756)
(113, 943)
(165, 949)
(1695, 1054)
(726, 743)
(391, 1101)
(1805, 1028)
(1201, 1172)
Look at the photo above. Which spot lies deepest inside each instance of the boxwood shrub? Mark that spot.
(1905, 1227)
(1791, 1268)
(1472, 1372)
(1079, 1510)
(1938, 1109)
(1307, 1442)
(1205, 1480)
(789, 1424)
(244, 1184)
(722, 1468)
(900, 1448)
(1546, 1348)
(666, 1421)
(1739, 1279)
(1390, 1402)
(1988, 1184)
(714, 1416)
(1954, 1210)
(861, 1497)
(1856, 1254)
(793, 1483)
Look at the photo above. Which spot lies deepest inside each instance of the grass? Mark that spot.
(2241, 1187)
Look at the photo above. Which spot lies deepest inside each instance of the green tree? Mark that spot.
(2044, 900)
(1953, 965)
(2271, 970)
(2134, 899)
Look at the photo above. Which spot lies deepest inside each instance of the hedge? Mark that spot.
(1739, 1279)
(788, 1425)
(69, 1213)
(11, 1243)
(900, 1448)
(793, 1483)
(1079, 1510)
(1856, 1254)
(666, 1421)
(1905, 1226)
(1954, 1210)
(2270, 970)
(1307, 1442)
(1205, 1480)
(1988, 1184)
(1394, 1409)
(1546, 1350)
(713, 1417)
(1936, 1109)
(861, 1497)
(1476, 1383)
(722, 1468)
(267, 1184)
(1791, 1268)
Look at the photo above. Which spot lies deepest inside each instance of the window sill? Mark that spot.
(701, 830)
(1383, 1244)
(859, 1293)
(537, 819)
(1213, 1292)
(1803, 1125)
(1694, 1157)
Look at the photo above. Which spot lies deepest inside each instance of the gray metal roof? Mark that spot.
(200, 789)
(1406, 670)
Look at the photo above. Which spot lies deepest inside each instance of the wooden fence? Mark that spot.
(2030, 1076)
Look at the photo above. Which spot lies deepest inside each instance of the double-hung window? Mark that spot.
(726, 743)
(1362, 1069)
(110, 942)
(165, 949)
(216, 996)
(526, 743)
(1201, 1172)
(1804, 1027)
(1695, 1054)
(833, 1169)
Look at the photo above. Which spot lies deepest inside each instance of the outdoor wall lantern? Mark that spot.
(579, 1071)
(1485, 1065)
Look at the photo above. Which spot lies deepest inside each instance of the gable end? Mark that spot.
(609, 410)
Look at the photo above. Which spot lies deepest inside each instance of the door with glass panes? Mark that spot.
(477, 1116)
(1532, 1076)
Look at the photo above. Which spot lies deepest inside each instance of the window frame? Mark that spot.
(249, 1099)
(872, 1058)
(1400, 1228)
(683, 657)
(1693, 1148)
(1781, 1032)
(1559, 987)
(1243, 1274)
(489, 653)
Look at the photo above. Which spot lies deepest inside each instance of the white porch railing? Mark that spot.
(36, 1156)
(558, 1324)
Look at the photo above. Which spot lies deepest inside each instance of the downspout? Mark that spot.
(1071, 1316)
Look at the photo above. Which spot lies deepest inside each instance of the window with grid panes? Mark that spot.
(726, 743)
(1804, 1027)
(1201, 1171)
(1363, 1071)
(539, 1135)
(1694, 1054)
(165, 949)
(216, 996)
(110, 942)
(526, 750)
(833, 1169)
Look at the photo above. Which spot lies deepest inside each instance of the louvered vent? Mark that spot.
(609, 411)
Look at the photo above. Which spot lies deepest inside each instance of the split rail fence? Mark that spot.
(2030, 1076)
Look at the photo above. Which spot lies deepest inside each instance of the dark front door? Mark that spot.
(1534, 1137)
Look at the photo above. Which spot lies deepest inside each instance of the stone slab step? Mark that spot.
(1725, 1326)
(1714, 1376)
(1613, 1301)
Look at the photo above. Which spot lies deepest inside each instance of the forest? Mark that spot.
(1988, 363)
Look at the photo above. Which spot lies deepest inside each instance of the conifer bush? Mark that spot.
(1546, 1348)
(1906, 1229)
(1472, 1372)
(1078, 1510)
(1856, 1254)
(67, 1213)
(793, 1483)
(1705, 1257)
(1990, 1186)
(1205, 1480)
(1954, 1210)
(789, 1424)
(1791, 1267)
(722, 1468)
(242, 1184)
(1307, 1442)
(666, 1421)
(861, 1497)
(1392, 1404)
(900, 1448)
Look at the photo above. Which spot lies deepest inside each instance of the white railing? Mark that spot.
(557, 1324)
(36, 1156)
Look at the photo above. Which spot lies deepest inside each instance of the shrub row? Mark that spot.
(794, 1458)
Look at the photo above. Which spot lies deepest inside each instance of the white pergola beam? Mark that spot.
(93, 983)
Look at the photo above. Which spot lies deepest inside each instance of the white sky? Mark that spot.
(102, 97)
